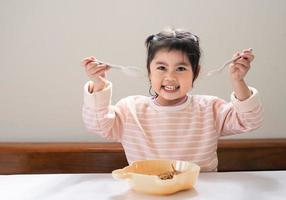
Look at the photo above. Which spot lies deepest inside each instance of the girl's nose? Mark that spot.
(170, 76)
(169, 79)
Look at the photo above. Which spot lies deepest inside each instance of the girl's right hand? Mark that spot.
(96, 73)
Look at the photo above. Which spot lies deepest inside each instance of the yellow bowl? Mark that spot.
(143, 176)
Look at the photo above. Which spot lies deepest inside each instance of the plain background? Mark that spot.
(43, 41)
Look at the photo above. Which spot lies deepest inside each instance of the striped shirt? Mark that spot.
(189, 131)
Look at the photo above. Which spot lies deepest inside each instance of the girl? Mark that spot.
(171, 124)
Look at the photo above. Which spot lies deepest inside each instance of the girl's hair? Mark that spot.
(175, 39)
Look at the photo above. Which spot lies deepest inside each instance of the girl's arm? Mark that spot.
(99, 116)
(244, 113)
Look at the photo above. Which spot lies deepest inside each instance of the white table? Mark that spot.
(229, 185)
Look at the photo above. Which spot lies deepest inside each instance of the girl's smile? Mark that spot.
(170, 88)
(171, 76)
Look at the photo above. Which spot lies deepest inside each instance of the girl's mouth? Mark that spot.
(170, 88)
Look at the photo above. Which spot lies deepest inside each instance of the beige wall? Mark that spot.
(42, 43)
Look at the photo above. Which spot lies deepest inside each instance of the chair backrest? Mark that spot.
(33, 158)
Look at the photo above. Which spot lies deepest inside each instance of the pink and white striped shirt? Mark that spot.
(188, 131)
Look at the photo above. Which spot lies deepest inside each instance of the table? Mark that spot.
(260, 185)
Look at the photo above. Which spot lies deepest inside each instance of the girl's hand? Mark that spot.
(239, 68)
(96, 72)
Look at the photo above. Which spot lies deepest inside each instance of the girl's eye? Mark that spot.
(161, 67)
(181, 68)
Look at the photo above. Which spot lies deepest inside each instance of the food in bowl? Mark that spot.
(159, 177)
(169, 174)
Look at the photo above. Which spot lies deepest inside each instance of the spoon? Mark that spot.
(216, 71)
(129, 70)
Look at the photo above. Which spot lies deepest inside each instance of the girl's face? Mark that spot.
(171, 76)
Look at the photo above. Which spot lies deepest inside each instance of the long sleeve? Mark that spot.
(239, 116)
(99, 116)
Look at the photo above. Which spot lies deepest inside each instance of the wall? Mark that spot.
(43, 42)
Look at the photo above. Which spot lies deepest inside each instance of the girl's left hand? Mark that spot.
(239, 68)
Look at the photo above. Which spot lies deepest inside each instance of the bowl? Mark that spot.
(160, 177)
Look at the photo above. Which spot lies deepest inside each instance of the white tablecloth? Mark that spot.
(221, 186)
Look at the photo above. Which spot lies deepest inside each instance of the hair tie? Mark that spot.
(194, 38)
(174, 33)
(155, 37)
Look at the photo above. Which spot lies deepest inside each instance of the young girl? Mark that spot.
(171, 124)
